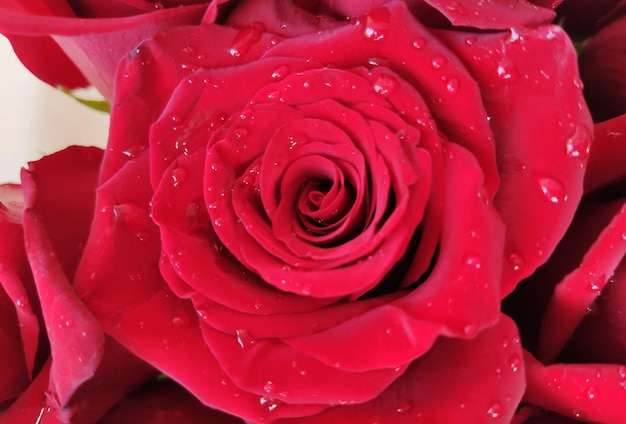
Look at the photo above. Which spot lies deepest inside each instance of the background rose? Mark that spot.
(78, 43)
(600, 28)
(71, 372)
(422, 111)
(570, 312)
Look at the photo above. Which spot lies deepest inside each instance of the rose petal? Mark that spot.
(89, 373)
(21, 313)
(441, 387)
(164, 403)
(541, 165)
(574, 295)
(114, 39)
(499, 14)
(589, 392)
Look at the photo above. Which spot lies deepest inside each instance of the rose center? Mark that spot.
(323, 205)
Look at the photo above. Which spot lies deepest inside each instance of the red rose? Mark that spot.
(571, 312)
(66, 369)
(77, 43)
(332, 199)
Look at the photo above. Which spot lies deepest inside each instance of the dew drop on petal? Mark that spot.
(552, 190)
(419, 42)
(515, 362)
(495, 410)
(244, 339)
(439, 62)
(178, 175)
(240, 133)
(280, 72)
(133, 151)
(270, 403)
(245, 39)
(506, 73)
(377, 24)
(470, 40)
(472, 261)
(470, 330)
(385, 85)
(579, 144)
(592, 393)
(403, 408)
(452, 86)
(516, 262)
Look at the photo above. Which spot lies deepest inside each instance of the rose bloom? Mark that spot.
(75, 43)
(571, 311)
(310, 212)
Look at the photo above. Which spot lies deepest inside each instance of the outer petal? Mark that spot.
(575, 294)
(78, 345)
(541, 165)
(585, 392)
(164, 403)
(499, 14)
(19, 323)
(474, 381)
(95, 46)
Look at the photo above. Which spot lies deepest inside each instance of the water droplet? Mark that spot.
(385, 85)
(22, 302)
(578, 83)
(470, 40)
(268, 387)
(244, 339)
(578, 145)
(419, 42)
(280, 72)
(377, 24)
(439, 62)
(269, 402)
(182, 146)
(596, 284)
(473, 261)
(246, 38)
(133, 151)
(452, 86)
(130, 214)
(513, 36)
(470, 330)
(552, 190)
(578, 414)
(495, 410)
(404, 407)
(516, 262)
(240, 132)
(506, 73)
(458, 8)
(178, 175)
(181, 321)
(592, 393)
(515, 363)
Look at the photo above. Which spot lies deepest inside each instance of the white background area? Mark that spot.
(36, 119)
